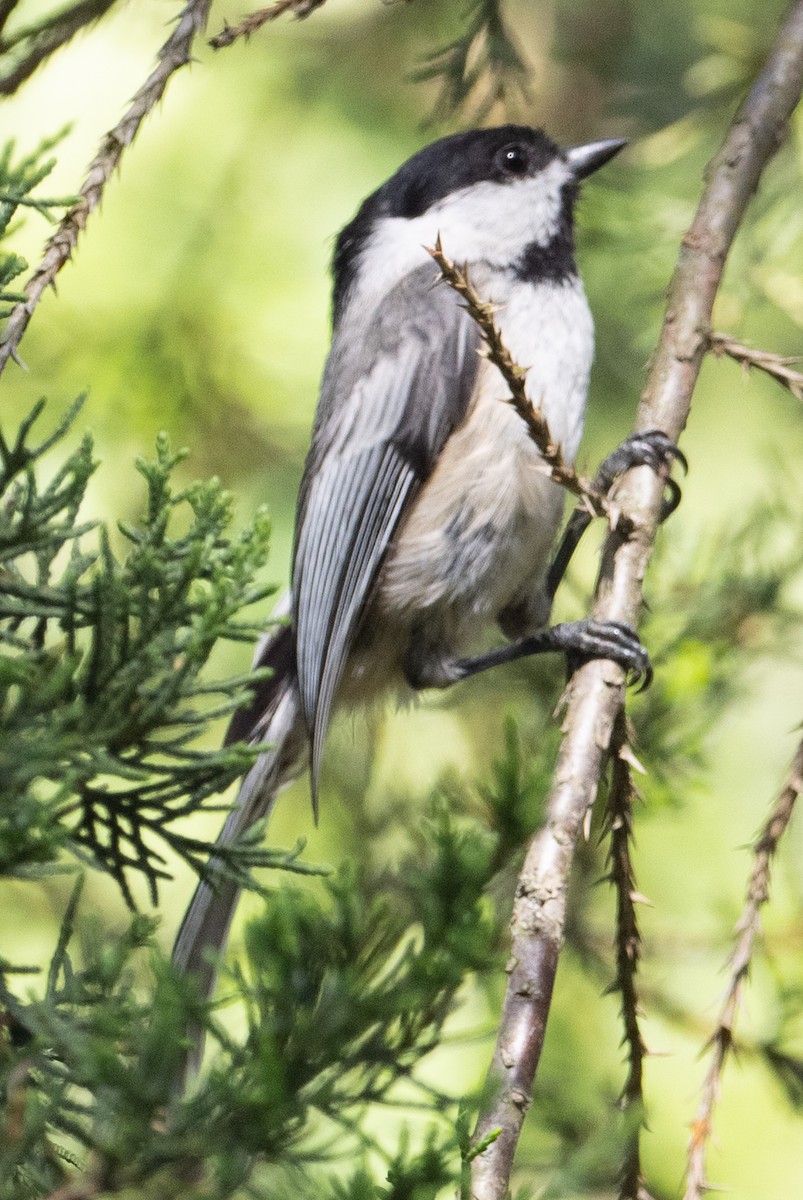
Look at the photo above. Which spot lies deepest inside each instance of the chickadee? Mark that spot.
(425, 514)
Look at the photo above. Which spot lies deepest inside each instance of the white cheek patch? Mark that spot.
(489, 223)
(495, 222)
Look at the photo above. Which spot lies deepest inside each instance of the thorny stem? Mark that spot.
(747, 929)
(515, 378)
(619, 827)
(6, 9)
(778, 368)
(596, 693)
(255, 20)
(44, 39)
(174, 54)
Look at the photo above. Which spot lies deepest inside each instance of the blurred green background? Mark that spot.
(198, 303)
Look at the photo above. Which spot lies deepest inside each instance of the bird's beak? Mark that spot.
(584, 160)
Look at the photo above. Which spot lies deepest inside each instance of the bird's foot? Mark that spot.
(651, 448)
(579, 641)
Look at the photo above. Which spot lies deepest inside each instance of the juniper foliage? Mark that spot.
(19, 180)
(100, 665)
(345, 993)
(103, 642)
(347, 983)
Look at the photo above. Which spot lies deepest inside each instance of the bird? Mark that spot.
(426, 515)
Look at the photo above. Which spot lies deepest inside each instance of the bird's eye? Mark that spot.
(513, 159)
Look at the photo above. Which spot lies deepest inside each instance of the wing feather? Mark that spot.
(388, 402)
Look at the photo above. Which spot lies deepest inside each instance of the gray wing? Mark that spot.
(387, 406)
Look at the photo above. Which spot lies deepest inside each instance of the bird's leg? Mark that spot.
(428, 667)
(578, 640)
(651, 449)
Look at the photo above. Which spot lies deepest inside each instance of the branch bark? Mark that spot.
(255, 20)
(596, 693)
(619, 829)
(174, 54)
(6, 9)
(778, 368)
(42, 40)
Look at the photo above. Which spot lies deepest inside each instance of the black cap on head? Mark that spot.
(503, 154)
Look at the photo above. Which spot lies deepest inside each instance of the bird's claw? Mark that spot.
(614, 640)
(649, 448)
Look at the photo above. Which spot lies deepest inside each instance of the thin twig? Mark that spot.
(774, 365)
(47, 37)
(174, 54)
(6, 9)
(619, 827)
(515, 378)
(596, 692)
(255, 20)
(747, 929)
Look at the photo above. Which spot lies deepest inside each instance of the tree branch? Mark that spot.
(596, 693)
(6, 9)
(774, 365)
(619, 827)
(47, 37)
(255, 20)
(174, 54)
(748, 927)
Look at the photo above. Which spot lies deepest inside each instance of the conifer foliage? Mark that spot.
(318, 1079)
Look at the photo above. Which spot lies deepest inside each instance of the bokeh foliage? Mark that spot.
(197, 305)
(101, 653)
(345, 994)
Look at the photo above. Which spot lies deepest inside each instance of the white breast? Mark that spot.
(480, 536)
(548, 329)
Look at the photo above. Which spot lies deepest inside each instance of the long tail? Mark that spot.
(275, 717)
